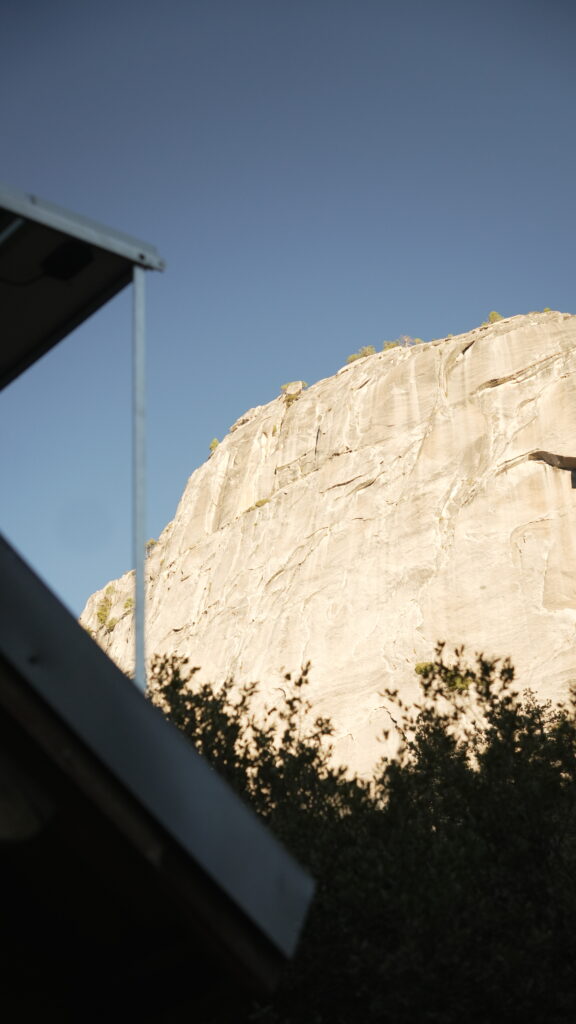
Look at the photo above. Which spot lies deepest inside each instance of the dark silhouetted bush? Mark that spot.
(447, 882)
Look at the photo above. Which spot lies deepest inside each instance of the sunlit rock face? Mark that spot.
(419, 494)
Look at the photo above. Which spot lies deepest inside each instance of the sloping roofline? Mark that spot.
(153, 770)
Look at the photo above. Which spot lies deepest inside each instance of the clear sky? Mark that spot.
(318, 174)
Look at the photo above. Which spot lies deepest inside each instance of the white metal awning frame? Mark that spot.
(39, 237)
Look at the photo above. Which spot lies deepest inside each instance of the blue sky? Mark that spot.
(318, 174)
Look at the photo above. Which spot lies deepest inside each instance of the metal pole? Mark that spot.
(139, 471)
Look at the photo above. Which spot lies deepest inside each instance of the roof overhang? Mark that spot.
(56, 269)
(88, 765)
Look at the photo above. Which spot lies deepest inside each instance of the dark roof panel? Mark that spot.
(56, 269)
(152, 769)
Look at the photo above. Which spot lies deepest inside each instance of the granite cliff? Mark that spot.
(419, 494)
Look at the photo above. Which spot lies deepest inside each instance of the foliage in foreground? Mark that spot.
(447, 884)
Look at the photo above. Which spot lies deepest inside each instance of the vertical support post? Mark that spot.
(138, 471)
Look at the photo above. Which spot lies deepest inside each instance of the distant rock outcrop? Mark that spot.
(419, 494)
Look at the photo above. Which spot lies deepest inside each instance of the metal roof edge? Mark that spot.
(25, 204)
(148, 756)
